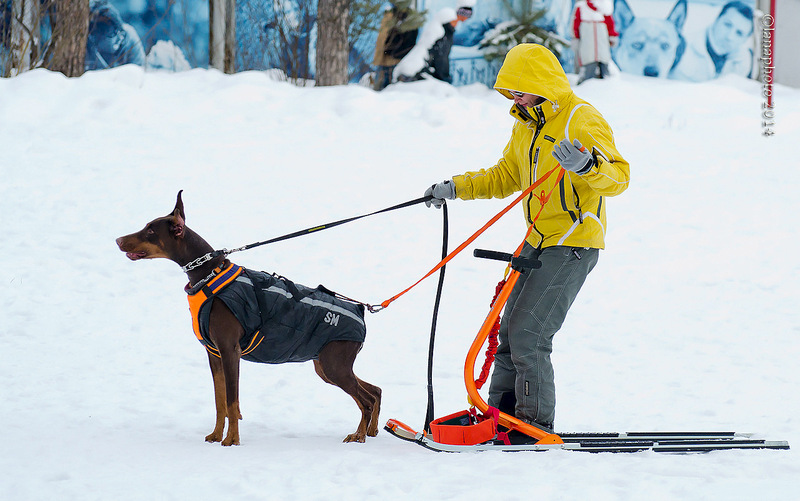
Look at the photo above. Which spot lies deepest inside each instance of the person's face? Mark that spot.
(729, 31)
(461, 16)
(526, 100)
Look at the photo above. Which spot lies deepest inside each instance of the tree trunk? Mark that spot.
(222, 35)
(333, 18)
(25, 20)
(70, 32)
(216, 34)
(230, 36)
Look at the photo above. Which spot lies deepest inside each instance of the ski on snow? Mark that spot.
(666, 442)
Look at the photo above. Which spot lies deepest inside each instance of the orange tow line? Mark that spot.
(486, 226)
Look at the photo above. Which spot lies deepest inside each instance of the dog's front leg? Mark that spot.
(225, 332)
(219, 398)
(230, 369)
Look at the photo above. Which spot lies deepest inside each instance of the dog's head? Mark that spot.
(160, 238)
(649, 46)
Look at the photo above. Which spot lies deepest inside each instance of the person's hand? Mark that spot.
(573, 156)
(440, 192)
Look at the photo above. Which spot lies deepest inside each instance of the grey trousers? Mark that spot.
(535, 310)
(592, 70)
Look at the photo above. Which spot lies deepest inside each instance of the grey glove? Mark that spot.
(572, 158)
(440, 192)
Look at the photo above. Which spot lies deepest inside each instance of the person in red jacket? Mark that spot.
(593, 27)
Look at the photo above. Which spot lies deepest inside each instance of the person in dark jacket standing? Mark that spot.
(439, 54)
(396, 37)
(430, 57)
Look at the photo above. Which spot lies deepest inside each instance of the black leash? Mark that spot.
(429, 414)
(225, 252)
(327, 226)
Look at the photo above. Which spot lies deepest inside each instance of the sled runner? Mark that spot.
(669, 442)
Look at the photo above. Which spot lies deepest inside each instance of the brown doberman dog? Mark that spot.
(228, 339)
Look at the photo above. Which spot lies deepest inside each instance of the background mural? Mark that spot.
(679, 39)
(685, 40)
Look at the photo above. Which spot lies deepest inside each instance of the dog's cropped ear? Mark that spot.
(678, 14)
(179, 207)
(623, 15)
(178, 226)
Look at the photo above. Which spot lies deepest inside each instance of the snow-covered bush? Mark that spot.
(165, 55)
(522, 28)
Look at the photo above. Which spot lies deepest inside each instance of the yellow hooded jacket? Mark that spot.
(575, 215)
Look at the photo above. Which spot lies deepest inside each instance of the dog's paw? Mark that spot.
(214, 437)
(230, 440)
(355, 437)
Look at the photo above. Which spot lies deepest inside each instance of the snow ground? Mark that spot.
(689, 321)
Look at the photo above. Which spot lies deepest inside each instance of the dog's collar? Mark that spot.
(215, 281)
(200, 261)
(207, 289)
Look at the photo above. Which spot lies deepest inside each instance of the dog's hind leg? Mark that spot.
(335, 366)
(375, 393)
(321, 373)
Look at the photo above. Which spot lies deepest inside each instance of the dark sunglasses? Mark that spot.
(516, 93)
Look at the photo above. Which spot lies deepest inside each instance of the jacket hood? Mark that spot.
(446, 15)
(533, 69)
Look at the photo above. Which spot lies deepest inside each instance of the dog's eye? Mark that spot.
(637, 45)
(150, 232)
(664, 46)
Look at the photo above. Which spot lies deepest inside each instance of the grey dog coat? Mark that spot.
(283, 321)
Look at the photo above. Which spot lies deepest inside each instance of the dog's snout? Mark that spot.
(120, 243)
(651, 71)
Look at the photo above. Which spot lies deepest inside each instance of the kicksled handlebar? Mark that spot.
(518, 263)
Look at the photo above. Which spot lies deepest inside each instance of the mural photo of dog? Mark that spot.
(649, 46)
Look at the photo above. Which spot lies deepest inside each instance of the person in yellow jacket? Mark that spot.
(553, 127)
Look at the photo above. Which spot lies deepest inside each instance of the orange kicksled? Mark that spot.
(480, 423)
